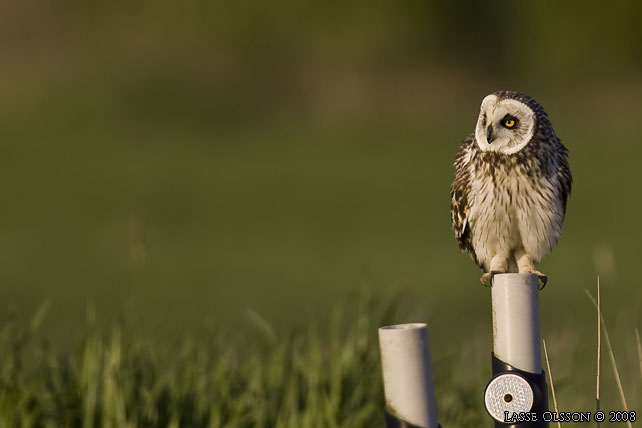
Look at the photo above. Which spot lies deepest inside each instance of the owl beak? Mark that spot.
(489, 134)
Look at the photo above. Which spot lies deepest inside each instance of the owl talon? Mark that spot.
(543, 278)
(487, 278)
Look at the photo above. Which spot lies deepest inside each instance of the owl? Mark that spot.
(512, 182)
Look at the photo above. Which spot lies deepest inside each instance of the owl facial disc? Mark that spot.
(504, 125)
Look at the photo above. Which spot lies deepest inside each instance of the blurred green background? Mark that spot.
(180, 162)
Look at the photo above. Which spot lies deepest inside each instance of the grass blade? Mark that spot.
(550, 379)
(637, 338)
(599, 350)
(612, 358)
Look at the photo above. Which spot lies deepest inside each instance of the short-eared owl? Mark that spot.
(511, 185)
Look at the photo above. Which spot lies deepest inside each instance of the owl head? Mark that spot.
(507, 122)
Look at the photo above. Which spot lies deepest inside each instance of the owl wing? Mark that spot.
(460, 196)
(565, 179)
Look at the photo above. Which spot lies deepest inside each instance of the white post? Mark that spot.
(516, 334)
(407, 374)
(518, 385)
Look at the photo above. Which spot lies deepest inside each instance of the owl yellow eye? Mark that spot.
(509, 123)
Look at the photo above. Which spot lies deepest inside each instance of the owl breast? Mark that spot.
(513, 210)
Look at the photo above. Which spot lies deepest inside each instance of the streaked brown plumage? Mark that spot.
(511, 187)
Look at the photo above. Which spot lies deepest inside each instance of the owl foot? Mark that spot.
(525, 265)
(487, 278)
(543, 278)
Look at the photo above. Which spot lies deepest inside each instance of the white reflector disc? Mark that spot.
(508, 393)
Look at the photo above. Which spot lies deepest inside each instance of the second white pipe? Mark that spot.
(407, 373)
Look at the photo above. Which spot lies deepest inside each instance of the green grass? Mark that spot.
(297, 379)
(258, 376)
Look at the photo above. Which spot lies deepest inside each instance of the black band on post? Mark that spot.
(540, 393)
